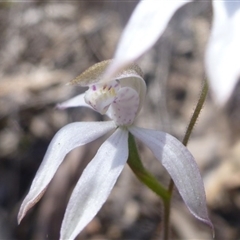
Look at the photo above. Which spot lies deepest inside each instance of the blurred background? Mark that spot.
(44, 45)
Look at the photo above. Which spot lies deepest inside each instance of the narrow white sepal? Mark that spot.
(147, 23)
(181, 166)
(66, 139)
(77, 101)
(223, 50)
(95, 184)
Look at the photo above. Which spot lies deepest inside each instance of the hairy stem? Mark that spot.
(196, 113)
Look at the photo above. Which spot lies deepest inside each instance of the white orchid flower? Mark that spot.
(149, 20)
(121, 99)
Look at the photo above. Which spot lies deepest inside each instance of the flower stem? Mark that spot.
(187, 135)
(196, 113)
(142, 174)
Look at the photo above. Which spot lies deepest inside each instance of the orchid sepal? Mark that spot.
(148, 21)
(181, 166)
(66, 139)
(77, 101)
(95, 184)
(223, 50)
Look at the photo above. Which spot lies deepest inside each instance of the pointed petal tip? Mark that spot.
(209, 223)
(213, 232)
(28, 203)
(22, 212)
(76, 101)
(206, 221)
(20, 217)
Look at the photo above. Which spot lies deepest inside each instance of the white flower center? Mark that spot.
(100, 96)
(120, 103)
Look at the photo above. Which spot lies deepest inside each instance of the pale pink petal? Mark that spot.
(77, 101)
(95, 184)
(147, 23)
(181, 166)
(66, 139)
(223, 51)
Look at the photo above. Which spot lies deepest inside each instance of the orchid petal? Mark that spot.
(147, 23)
(95, 184)
(77, 101)
(181, 166)
(125, 106)
(223, 51)
(66, 139)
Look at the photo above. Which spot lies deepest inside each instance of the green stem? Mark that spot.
(187, 135)
(142, 174)
(196, 113)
